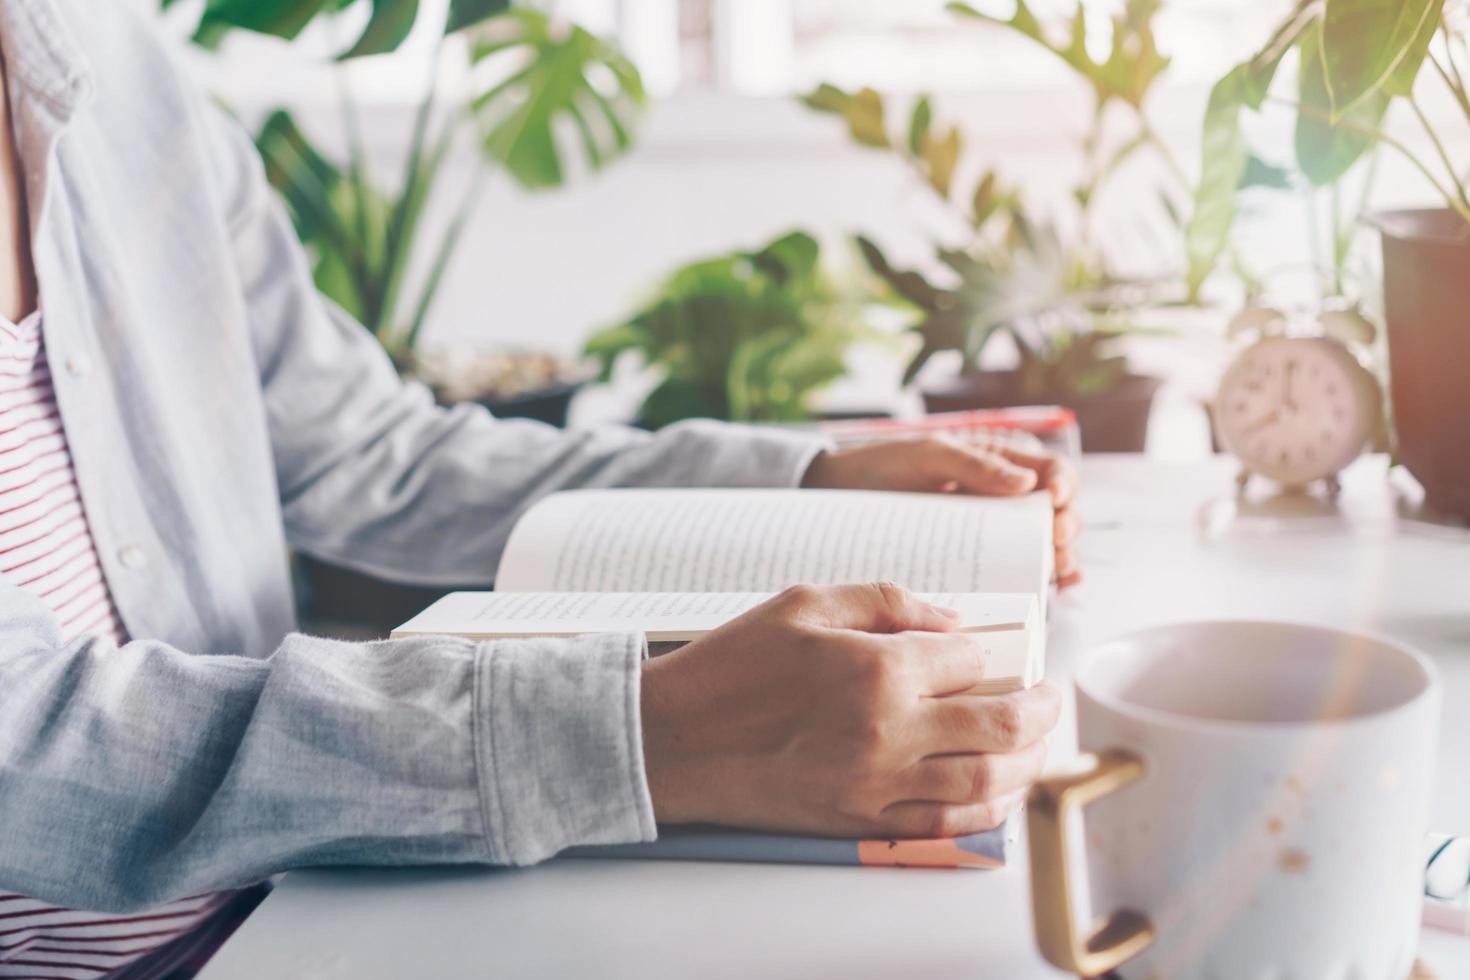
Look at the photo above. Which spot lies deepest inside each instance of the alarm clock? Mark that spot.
(1297, 405)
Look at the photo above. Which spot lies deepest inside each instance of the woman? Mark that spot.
(180, 407)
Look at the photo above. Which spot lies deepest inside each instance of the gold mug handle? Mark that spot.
(1125, 933)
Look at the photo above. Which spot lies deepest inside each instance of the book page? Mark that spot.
(766, 540)
(491, 614)
(662, 615)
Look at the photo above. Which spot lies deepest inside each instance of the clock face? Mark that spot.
(1296, 409)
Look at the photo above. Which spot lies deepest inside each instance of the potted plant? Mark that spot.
(363, 238)
(747, 337)
(537, 76)
(1006, 273)
(1359, 61)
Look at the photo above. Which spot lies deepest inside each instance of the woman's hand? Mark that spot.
(943, 465)
(841, 711)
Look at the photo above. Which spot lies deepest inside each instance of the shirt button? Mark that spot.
(77, 364)
(132, 556)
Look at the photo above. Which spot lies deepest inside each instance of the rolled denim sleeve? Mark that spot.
(562, 747)
(134, 775)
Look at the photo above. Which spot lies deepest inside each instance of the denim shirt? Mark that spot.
(220, 412)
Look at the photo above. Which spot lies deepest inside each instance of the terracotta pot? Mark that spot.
(1114, 421)
(1426, 270)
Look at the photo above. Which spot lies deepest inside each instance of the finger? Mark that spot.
(1065, 526)
(918, 818)
(981, 471)
(1068, 569)
(988, 723)
(973, 778)
(875, 607)
(1053, 473)
(943, 664)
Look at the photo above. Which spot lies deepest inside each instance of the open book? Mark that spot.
(1005, 623)
(677, 563)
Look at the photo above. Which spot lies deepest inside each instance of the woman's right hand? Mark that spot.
(839, 711)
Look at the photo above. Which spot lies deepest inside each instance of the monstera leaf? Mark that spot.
(388, 24)
(1133, 61)
(553, 76)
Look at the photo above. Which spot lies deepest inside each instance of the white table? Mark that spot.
(1159, 547)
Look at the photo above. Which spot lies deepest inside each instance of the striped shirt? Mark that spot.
(46, 548)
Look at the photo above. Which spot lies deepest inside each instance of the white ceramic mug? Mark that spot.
(1256, 797)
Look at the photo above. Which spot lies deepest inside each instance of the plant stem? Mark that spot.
(1377, 134)
(1314, 236)
(410, 199)
(1444, 156)
(372, 300)
(447, 246)
(1165, 153)
(1454, 82)
(1339, 248)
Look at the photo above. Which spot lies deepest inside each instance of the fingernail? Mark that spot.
(947, 612)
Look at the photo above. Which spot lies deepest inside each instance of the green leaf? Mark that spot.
(570, 77)
(941, 157)
(1259, 173)
(1327, 145)
(790, 259)
(1223, 148)
(324, 208)
(607, 345)
(1401, 80)
(1370, 45)
(390, 23)
(309, 182)
(675, 400)
(827, 98)
(745, 335)
(1223, 157)
(1261, 69)
(281, 18)
(468, 13)
(864, 115)
(910, 285)
(1133, 62)
(986, 200)
(919, 122)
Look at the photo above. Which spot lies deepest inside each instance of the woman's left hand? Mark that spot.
(943, 465)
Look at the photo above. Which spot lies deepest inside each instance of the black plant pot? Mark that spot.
(550, 404)
(340, 601)
(1426, 272)
(1114, 421)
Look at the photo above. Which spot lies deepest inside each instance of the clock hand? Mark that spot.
(1270, 418)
